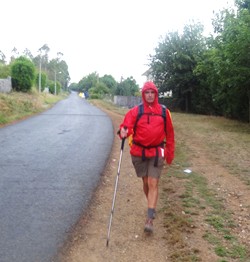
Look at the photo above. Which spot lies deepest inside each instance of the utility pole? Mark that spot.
(40, 77)
(55, 82)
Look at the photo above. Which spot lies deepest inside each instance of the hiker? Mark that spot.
(149, 125)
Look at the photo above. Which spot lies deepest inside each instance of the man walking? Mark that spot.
(151, 128)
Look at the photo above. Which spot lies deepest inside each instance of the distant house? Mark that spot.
(166, 94)
(148, 75)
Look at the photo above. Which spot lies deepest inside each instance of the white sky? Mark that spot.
(107, 36)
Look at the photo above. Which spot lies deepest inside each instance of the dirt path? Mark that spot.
(87, 242)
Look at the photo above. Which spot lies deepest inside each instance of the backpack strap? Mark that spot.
(140, 113)
(164, 109)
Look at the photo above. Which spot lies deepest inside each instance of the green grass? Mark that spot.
(226, 141)
(196, 198)
(17, 105)
(109, 106)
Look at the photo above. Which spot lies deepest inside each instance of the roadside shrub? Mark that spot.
(43, 80)
(52, 87)
(4, 71)
(22, 74)
(95, 96)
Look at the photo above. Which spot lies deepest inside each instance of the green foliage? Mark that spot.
(204, 97)
(4, 70)
(63, 74)
(93, 84)
(127, 87)
(221, 251)
(243, 4)
(54, 88)
(54, 68)
(88, 82)
(2, 58)
(99, 89)
(17, 105)
(174, 62)
(74, 87)
(95, 96)
(110, 82)
(208, 75)
(43, 80)
(23, 74)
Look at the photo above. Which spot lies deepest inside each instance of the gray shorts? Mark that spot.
(147, 168)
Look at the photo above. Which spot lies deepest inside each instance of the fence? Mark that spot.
(127, 101)
(131, 101)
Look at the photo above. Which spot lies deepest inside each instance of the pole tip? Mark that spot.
(107, 244)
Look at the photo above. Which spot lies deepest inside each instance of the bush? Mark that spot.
(4, 71)
(22, 74)
(52, 87)
(95, 96)
(43, 80)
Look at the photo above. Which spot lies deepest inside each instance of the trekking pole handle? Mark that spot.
(123, 139)
(122, 145)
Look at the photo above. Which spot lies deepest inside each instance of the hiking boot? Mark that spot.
(149, 226)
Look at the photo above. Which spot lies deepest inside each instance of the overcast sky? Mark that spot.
(107, 36)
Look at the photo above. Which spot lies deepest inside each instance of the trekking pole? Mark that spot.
(116, 184)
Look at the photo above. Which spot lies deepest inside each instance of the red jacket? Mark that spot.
(150, 131)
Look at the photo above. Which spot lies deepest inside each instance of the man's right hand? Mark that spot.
(123, 132)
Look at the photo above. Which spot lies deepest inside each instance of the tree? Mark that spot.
(2, 58)
(14, 54)
(243, 4)
(23, 74)
(232, 61)
(99, 90)
(43, 58)
(63, 74)
(4, 71)
(88, 82)
(174, 62)
(110, 82)
(51, 85)
(43, 80)
(127, 87)
(205, 99)
(74, 86)
(27, 53)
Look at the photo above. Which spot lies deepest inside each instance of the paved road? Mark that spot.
(49, 166)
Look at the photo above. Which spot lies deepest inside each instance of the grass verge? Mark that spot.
(16, 105)
(195, 203)
(187, 201)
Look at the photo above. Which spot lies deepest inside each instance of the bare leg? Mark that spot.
(152, 192)
(150, 187)
(145, 186)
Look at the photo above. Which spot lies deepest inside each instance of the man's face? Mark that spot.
(149, 96)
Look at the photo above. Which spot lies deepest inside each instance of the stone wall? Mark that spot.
(5, 85)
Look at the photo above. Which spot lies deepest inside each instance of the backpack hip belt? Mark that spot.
(148, 147)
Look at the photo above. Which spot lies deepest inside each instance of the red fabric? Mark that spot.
(150, 128)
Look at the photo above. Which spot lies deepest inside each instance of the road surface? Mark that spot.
(49, 166)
